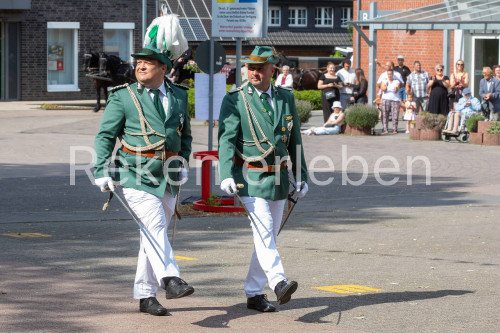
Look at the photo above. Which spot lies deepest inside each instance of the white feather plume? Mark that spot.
(169, 35)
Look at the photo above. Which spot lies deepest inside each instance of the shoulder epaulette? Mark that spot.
(234, 89)
(119, 87)
(179, 85)
(281, 88)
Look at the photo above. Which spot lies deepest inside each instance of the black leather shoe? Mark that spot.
(284, 291)
(176, 287)
(152, 306)
(260, 303)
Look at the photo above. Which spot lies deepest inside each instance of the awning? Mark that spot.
(483, 15)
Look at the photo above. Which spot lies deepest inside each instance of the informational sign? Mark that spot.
(55, 58)
(239, 18)
(201, 97)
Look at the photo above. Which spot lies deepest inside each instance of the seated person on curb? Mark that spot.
(465, 106)
(332, 125)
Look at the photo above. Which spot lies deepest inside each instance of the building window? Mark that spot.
(324, 17)
(297, 16)
(274, 17)
(346, 16)
(118, 39)
(62, 56)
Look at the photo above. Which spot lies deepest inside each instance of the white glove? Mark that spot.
(105, 184)
(302, 193)
(229, 186)
(183, 175)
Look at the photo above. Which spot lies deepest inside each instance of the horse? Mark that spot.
(305, 79)
(106, 71)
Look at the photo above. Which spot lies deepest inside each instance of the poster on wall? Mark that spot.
(239, 18)
(55, 58)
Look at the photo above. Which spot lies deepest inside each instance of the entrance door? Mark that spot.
(9, 61)
(485, 55)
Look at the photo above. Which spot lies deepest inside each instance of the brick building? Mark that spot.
(306, 31)
(473, 28)
(43, 43)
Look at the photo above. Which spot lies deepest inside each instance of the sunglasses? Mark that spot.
(439, 70)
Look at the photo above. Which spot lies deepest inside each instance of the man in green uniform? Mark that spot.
(259, 130)
(151, 120)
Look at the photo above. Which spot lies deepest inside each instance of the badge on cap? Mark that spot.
(289, 117)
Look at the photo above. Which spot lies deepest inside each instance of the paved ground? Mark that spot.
(430, 250)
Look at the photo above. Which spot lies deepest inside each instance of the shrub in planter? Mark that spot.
(313, 96)
(361, 116)
(492, 135)
(304, 109)
(471, 122)
(433, 122)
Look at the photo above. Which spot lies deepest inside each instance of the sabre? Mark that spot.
(177, 216)
(248, 213)
(144, 232)
(294, 202)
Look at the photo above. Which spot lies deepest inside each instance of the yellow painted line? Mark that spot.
(26, 235)
(347, 289)
(184, 258)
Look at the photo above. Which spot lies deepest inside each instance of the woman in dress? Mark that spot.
(390, 101)
(329, 82)
(360, 87)
(439, 84)
(459, 80)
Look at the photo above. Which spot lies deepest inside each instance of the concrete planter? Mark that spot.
(414, 134)
(357, 131)
(491, 139)
(427, 134)
(418, 122)
(482, 126)
(476, 138)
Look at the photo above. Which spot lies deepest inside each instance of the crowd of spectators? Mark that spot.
(401, 90)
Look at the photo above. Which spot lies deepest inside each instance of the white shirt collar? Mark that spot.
(161, 88)
(267, 92)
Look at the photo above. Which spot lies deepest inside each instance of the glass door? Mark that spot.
(485, 53)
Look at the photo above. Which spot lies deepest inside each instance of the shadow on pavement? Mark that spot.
(329, 305)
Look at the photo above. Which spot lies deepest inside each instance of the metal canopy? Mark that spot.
(449, 15)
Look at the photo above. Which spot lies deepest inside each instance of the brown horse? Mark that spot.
(106, 71)
(305, 79)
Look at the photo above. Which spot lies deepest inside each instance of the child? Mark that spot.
(410, 107)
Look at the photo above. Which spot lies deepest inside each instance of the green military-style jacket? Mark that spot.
(121, 118)
(283, 133)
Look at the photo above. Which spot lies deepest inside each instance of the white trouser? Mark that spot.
(154, 213)
(265, 265)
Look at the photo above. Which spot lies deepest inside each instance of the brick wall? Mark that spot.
(91, 14)
(422, 45)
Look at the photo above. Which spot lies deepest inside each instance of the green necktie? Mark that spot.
(267, 107)
(158, 104)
